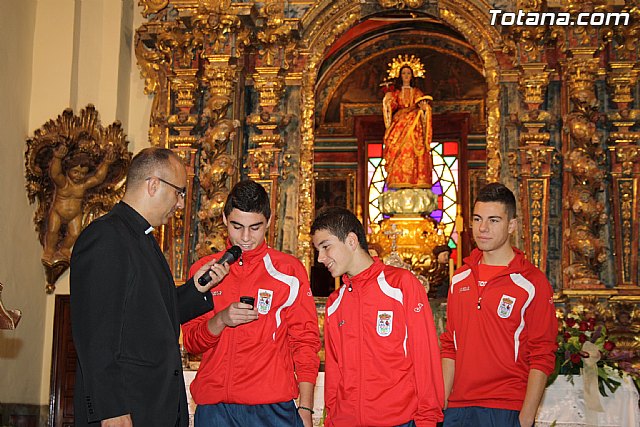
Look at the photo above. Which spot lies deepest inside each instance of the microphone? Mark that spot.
(230, 256)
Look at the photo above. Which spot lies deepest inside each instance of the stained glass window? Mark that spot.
(445, 184)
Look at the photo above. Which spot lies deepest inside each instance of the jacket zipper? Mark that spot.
(233, 338)
(360, 324)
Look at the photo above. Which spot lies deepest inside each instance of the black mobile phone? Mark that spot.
(248, 300)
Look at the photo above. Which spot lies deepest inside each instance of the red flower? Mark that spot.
(575, 358)
(566, 336)
(583, 326)
(582, 338)
(608, 345)
(571, 322)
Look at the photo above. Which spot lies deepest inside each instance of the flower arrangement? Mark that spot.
(574, 330)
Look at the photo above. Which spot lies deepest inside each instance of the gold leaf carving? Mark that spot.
(75, 170)
(401, 4)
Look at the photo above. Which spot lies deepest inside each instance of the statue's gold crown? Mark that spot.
(397, 63)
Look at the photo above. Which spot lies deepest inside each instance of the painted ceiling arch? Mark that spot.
(353, 72)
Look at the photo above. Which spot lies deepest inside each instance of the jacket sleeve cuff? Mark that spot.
(306, 377)
(209, 336)
(447, 354)
(547, 368)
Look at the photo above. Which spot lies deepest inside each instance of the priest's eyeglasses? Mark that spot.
(180, 191)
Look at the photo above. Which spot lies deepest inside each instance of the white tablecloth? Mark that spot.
(563, 403)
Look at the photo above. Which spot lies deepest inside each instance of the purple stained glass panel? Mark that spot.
(437, 188)
(437, 215)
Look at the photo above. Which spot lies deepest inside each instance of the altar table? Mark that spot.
(563, 403)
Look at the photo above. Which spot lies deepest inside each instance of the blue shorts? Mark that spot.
(283, 414)
(476, 416)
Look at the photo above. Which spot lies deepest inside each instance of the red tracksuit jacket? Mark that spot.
(494, 347)
(259, 362)
(382, 358)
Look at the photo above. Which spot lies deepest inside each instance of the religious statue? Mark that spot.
(438, 273)
(66, 209)
(75, 169)
(407, 118)
(8, 318)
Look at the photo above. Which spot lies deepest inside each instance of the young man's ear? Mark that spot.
(352, 240)
(513, 223)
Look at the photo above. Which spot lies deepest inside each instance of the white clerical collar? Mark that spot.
(148, 230)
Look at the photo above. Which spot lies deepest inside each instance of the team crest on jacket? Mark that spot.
(505, 306)
(385, 323)
(265, 296)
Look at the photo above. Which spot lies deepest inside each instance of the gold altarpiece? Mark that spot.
(233, 88)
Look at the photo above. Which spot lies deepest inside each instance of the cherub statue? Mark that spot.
(66, 208)
(75, 170)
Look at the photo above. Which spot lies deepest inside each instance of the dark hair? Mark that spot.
(248, 196)
(147, 162)
(496, 192)
(412, 82)
(340, 222)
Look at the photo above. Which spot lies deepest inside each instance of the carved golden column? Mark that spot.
(584, 176)
(319, 35)
(222, 28)
(182, 118)
(217, 162)
(187, 54)
(276, 41)
(535, 160)
(155, 65)
(265, 156)
(625, 171)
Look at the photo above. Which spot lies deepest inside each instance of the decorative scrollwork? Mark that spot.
(401, 4)
(622, 79)
(533, 87)
(537, 201)
(625, 37)
(219, 31)
(627, 156)
(278, 36)
(583, 161)
(75, 170)
(214, 169)
(269, 83)
(152, 6)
